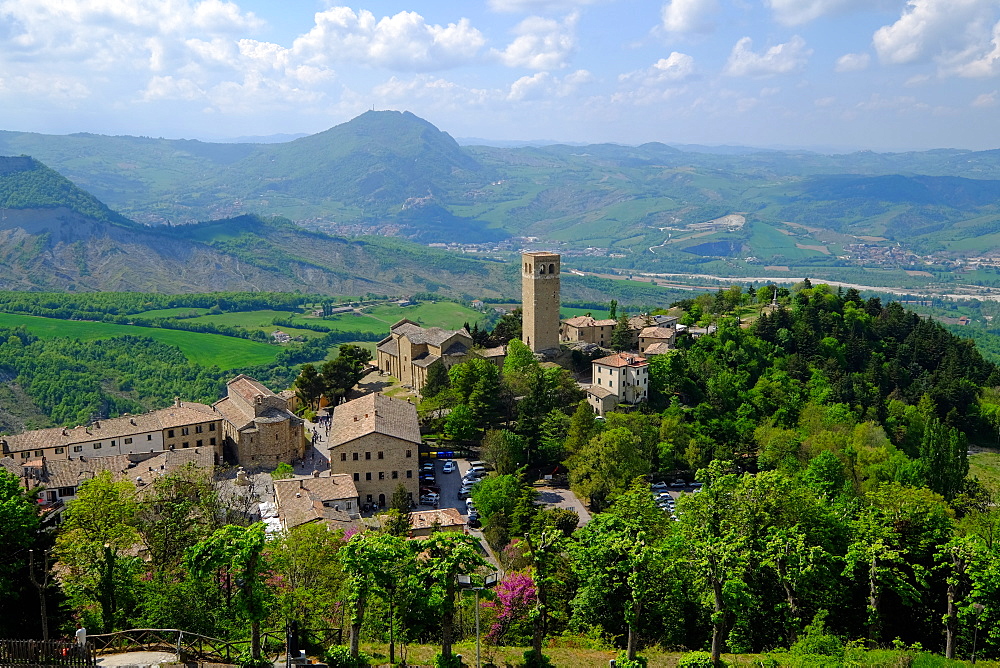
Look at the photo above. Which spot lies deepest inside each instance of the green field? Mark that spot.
(599, 314)
(986, 467)
(226, 352)
(378, 319)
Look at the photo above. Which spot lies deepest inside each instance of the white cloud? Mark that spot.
(404, 41)
(688, 15)
(954, 33)
(673, 68)
(780, 59)
(797, 12)
(543, 85)
(823, 102)
(541, 44)
(539, 6)
(852, 62)
(986, 100)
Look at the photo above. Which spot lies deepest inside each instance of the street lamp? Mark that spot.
(465, 582)
(978, 608)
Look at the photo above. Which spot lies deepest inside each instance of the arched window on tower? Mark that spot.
(541, 269)
(552, 269)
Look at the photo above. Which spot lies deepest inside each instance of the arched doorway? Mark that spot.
(381, 500)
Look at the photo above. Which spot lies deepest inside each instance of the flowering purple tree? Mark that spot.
(515, 597)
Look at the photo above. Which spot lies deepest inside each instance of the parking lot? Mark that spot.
(448, 485)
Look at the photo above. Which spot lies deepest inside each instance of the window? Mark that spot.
(355, 456)
(184, 431)
(368, 455)
(409, 453)
(197, 429)
(211, 427)
(170, 433)
(77, 448)
(211, 441)
(381, 475)
(97, 446)
(67, 491)
(343, 456)
(39, 453)
(128, 441)
(357, 477)
(368, 476)
(149, 437)
(114, 443)
(59, 451)
(348, 505)
(185, 444)
(199, 443)
(25, 454)
(380, 456)
(395, 474)
(409, 474)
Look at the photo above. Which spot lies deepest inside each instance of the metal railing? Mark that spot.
(46, 653)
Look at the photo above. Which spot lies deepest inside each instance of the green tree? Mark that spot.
(944, 459)
(19, 523)
(460, 425)
(239, 553)
(309, 386)
(437, 381)
(309, 579)
(443, 557)
(504, 450)
(607, 465)
(621, 335)
(98, 530)
(283, 471)
(496, 494)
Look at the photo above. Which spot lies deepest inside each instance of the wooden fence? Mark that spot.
(23, 653)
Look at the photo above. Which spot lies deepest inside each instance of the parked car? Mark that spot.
(426, 477)
(449, 467)
(464, 492)
(427, 466)
(659, 487)
(474, 521)
(430, 499)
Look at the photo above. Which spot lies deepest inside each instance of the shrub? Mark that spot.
(622, 661)
(339, 656)
(816, 641)
(535, 660)
(452, 661)
(697, 660)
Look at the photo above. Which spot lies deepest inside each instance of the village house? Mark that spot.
(252, 426)
(656, 340)
(331, 499)
(622, 378)
(587, 329)
(375, 440)
(410, 350)
(425, 522)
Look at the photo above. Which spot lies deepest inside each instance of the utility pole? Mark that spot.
(40, 586)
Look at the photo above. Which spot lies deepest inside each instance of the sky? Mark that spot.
(827, 74)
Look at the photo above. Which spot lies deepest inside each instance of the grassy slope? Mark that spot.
(226, 352)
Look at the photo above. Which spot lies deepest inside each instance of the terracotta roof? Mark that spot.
(659, 348)
(600, 391)
(233, 412)
(580, 321)
(622, 359)
(167, 461)
(374, 413)
(487, 353)
(445, 517)
(247, 388)
(302, 500)
(658, 333)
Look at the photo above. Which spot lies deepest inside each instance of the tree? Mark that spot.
(309, 386)
(613, 310)
(437, 381)
(98, 527)
(19, 523)
(944, 458)
(283, 471)
(175, 512)
(621, 335)
(607, 465)
(443, 557)
(238, 553)
(307, 573)
(460, 425)
(496, 494)
(504, 450)
(342, 373)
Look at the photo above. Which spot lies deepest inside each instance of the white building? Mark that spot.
(622, 378)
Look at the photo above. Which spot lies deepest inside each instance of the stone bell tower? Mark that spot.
(540, 300)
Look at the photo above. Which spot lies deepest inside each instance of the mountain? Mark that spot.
(651, 207)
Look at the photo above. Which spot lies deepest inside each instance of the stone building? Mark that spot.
(657, 339)
(622, 378)
(587, 329)
(540, 273)
(410, 350)
(375, 439)
(257, 426)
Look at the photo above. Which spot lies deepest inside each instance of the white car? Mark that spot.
(449, 467)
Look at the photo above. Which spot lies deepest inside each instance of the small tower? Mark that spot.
(540, 300)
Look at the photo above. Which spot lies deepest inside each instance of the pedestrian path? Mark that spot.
(136, 659)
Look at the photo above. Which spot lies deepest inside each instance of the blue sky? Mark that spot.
(878, 74)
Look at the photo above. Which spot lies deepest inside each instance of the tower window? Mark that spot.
(552, 269)
(541, 269)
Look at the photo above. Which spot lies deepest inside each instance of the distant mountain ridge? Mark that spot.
(649, 206)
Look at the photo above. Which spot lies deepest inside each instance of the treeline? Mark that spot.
(26, 183)
(94, 305)
(71, 381)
